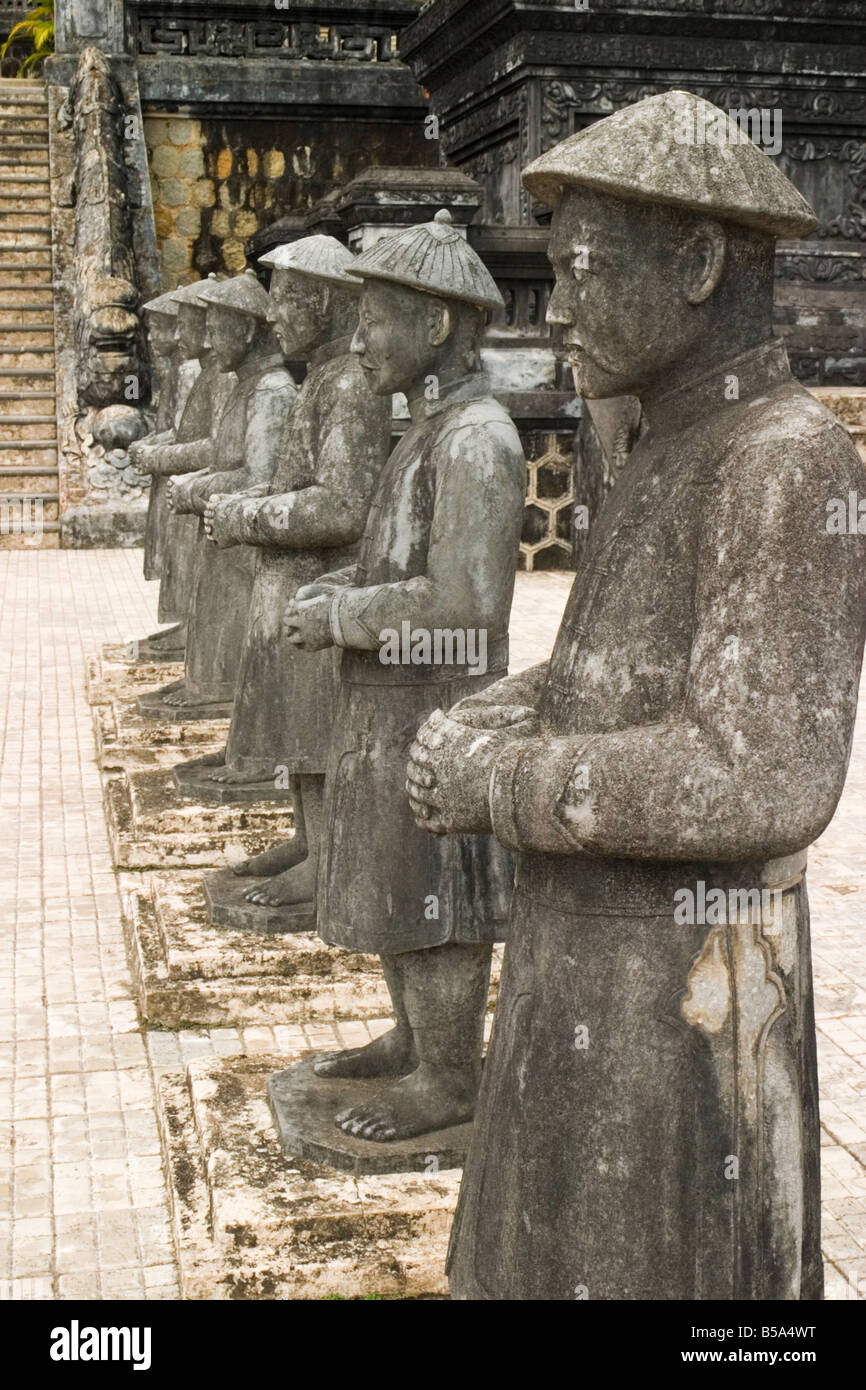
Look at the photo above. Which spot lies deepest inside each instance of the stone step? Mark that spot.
(47, 539)
(29, 478)
(9, 215)
(27, 357)
(21, 456)
(19, 401)
(26, 258)
(27, 339)
(36, 134)
(35, 278)
(22, 506)
(28, 155)
(38, 203)
(37, 430)
(13, 242)
(15, 408)
(38, 316)
(27, 179)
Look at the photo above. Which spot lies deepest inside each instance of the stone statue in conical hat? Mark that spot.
(334, 446)
(160, 315)
(183, 450)
(240, 459)
(648, 1123)
(421, 619)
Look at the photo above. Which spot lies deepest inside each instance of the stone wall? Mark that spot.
(217, 182)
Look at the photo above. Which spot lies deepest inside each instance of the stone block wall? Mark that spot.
(217, 182)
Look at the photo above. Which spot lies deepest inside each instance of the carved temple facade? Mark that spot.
(260, 121)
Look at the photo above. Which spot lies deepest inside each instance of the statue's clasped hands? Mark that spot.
(223, 519)
(451, 762)
(307, 623)
(177, 496)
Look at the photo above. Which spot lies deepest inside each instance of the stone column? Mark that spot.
(79, 23)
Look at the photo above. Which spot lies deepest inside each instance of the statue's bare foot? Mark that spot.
(391, 1055)
(236, 778)
(175, 697)
(429, 1099)
(297, 885)
(272, 861)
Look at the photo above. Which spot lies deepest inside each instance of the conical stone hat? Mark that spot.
(677, 149)
(162, 304)
(432, 257)
(322, 257)
(190, 294)
(241, 292)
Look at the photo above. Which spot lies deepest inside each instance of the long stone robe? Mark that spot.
(184, 533)
(245, 455)
(648, 1122)
(439, 551)
(175, 386)
(333, 450)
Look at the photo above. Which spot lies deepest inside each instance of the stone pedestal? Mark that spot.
(150, 827)
(304, 1105)
(190, 973)
(151, 705)
(112, 677)
(227, 907)
(196, 782)
(249, 1223)
(140, 650)
(126, 742)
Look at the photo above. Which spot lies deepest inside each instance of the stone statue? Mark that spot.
(161, 319)
(240, 459)
(335, 445)
(184, 450)
(422, 616)
(648, 1126)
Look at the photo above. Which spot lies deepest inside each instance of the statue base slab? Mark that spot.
(106, 680)
(126, 742)
(224, 893)
(189, 973)
(138, 650)
(197, 782)
(149, 828)
(153, 706)
(304, 1105)
(250, 1224)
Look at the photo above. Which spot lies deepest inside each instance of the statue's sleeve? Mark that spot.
(752, 765)
(472, 551)
(523, 688)
(169, 459)
(350, 449)
(267, 413)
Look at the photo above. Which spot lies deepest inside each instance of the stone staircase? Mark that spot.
(29, 503)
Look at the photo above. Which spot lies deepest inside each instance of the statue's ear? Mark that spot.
(704, 260)
(440, 324)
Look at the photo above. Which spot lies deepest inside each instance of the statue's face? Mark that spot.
(191, 330)
(161, 333)
(230, 333)
(298, 313)
(396, 337)
(618, 293)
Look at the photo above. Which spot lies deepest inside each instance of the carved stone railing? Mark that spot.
(300, 29)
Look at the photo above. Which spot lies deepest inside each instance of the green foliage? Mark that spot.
(37, 26)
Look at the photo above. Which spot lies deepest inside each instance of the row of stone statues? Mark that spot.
(647, 1119)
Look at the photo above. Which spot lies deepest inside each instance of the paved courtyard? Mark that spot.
(84, 1211)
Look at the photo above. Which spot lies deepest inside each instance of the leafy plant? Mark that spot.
(37, 26)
